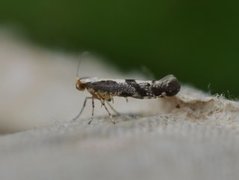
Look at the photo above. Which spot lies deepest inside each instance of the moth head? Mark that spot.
(79, 85)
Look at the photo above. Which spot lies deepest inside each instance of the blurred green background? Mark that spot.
(195, 40)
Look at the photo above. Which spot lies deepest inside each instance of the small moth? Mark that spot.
(106, 89)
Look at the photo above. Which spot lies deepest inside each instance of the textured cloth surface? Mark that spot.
(191, 138)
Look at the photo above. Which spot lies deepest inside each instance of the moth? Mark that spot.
(105, 90)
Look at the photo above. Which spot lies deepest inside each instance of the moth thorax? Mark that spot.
(79, 85)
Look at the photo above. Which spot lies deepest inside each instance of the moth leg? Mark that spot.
(112, 108)
(83, 107)
(111, 118)
(102, 100)
(126, 99)
(93, 108)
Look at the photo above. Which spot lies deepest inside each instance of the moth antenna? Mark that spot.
(81, 57)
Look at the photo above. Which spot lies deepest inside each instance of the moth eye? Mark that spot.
(79, 85)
